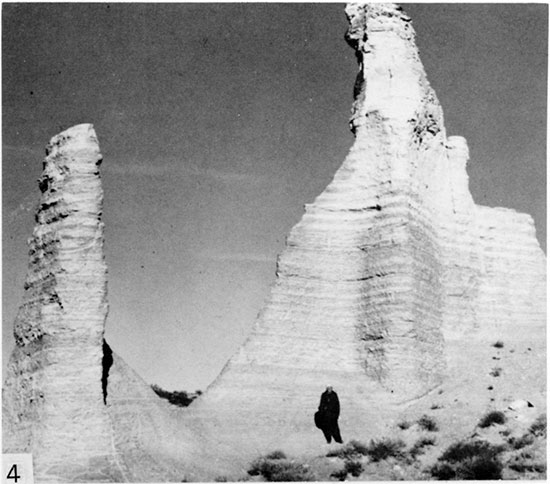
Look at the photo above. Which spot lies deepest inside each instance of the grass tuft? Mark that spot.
(276, 454)
(382, 449)
(521, 442)
(353, 467)
(340, 474)
(494, 417)
(280, 470)
(427, 423)
(418, 447)
(524, 463)
(352, 449)
(404, 425)
(496, 371)
(538, 427)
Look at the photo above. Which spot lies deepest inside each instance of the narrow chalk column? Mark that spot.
(53, 398)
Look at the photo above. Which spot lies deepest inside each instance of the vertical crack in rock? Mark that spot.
(388, 268)
(53, 403)
(106, 363)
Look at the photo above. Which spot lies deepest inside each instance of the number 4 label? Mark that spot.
(17, 469)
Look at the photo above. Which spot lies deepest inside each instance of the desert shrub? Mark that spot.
(381, 449)
(424, 441)
(180, 399)
(473, 468)
(480, 468)
(290, 472)
(496, 371)
(538, 427)
(520, 465)
(521, 442)
(523, 462)
(340, 474)
(276, 454)
(353, 467)
(352, 449)
(280, 470)
(443, 471)
(435, 406)
(494, 417)
(477, 460)
(418, 447)
(358, 447)
(256, 467)
(221, 479)
(427, 423)
(404, 425)
(461, 451)
(499, 344)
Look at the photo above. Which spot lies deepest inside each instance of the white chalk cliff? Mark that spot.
(53, 389)
(67, 399)
(390, 270)
(392, 284)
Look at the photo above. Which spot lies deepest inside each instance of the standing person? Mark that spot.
(327, 416)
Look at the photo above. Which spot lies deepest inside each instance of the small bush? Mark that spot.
(340, 474)
(358, 447)
(352, 449)
(473, 468)
(280, 470)
(461, 451)
(435, 406)
(220, 479)
(353, 467)
(418, 447)
(494, 417)
(290, 472)
(496, 371)
(480, 468)
(256, 467)
(180, 399)
(477, 460)
(499, 344)
(521, 442)
(427, 423)
(276, 454)
(443, 471)
(538, 427)
(519, 465)
(404, 425)
(384, 448)
(521, 462)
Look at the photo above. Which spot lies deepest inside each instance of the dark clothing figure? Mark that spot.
(327, 416)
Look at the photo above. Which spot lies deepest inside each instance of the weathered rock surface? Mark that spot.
(53, 399)
(392, 288)
(67, 399)
(392, 279)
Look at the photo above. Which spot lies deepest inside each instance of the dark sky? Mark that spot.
(217, 122)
